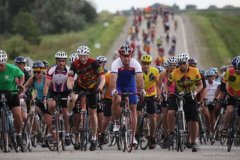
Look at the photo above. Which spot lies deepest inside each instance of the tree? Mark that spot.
(212, 7)
(25, 25)
(175, 7)
(228, 7)
(191, 7)
(89, 12)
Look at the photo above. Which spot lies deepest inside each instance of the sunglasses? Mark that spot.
(60, 60)
(236, 68)
(1, 65)
(36, 72)
(145, 63)
(172, 65)
(182, 63)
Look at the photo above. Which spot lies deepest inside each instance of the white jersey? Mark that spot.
(211, 88)
(58, 79)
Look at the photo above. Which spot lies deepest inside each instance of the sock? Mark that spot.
(19, 134)
(67, 134)
(94, 138)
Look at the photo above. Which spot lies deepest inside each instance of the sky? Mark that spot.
(115, 5)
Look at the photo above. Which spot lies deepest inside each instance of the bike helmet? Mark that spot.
(236, 62)
(73, 57)
(183, 57)
(102, 59)
(192, 61)
(3, 57)
(172, 59)
(125, 50)
(146, 58)
(202, 71)
(165, 64)
(61, 55)
(38, 64)
(209, 73)
(20, 59)
(83, 50)
(46, 64)
(214, 69)
(27, 68)
(160, 68)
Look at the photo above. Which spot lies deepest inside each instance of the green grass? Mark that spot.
(69, 42)
(219, 36)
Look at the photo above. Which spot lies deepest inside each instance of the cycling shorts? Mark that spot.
(151, 106)
(107, 110)
(133, 89)
(12, 101)
(53, 94)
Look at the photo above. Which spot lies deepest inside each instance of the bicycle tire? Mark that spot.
(49, 140)
(4, 133)
(57, 131)
(62, 134)
(27, 131)
(231, 134)
(86, 130)
(129, 131)
(201, 131)
(121, 132)
(145, 130)
(216, 129)
(14, 142)
(180, 132)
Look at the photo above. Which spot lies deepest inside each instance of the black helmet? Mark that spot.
(20, 59)
(38, 64)
(46, 64)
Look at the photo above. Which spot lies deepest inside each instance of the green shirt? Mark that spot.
(8, 78)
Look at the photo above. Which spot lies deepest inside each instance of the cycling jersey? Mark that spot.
(233, 82)
(107, 84)
(211, 88)
(58, 79)
(8, 76)
(172, 87)
(185, 81)
(150, 79)
(126, 77)
(39, 88)
(88, 73)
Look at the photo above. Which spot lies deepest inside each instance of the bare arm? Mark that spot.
(21, 80)
(46, 86)
(203, 94)
(199, 86)
(139, 78)
(70, 82)
(28, 83)
(113, 80)
(102, 82)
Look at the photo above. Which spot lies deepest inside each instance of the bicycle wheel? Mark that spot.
(86, 130)
(216, 129)
(180, 132)
(27, 132)
(121, 140)
(14, 142)
(231, 134)
(145, 132)
(201, 130)
(49, 139)
(129, 124)
(4, 133)
(62, 133)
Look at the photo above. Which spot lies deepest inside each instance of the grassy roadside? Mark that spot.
(69, 42)
(214, 50)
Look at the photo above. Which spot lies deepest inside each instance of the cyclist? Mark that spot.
(55, 85)
(37, 82)
(150, 76)
(89, 72)
(216, 73)
(230, 82)
(185, 78)
(21, 63)
(201, 98)
(159, 41)
(172, 63)
(211, 88)
(28, 69)
(8, 73)
(159, 61)
(125, 71)
(46, 64)
(175, 24)
(115, 55)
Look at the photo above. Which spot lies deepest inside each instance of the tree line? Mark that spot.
(32, 18)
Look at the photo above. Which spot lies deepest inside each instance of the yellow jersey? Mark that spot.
(233, 82)
(185, 81)
(150, 79)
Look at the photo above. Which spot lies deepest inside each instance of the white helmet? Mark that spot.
(27, 68)
(61, 55)
(172, 59)
(73, 57)
(83, 50)
(209, 73)
(183, 57)
(102, 59)
(3, 57)
(165, 64)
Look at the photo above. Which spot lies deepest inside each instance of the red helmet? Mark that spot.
(125, 50)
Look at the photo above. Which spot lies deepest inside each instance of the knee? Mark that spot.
(171, 113)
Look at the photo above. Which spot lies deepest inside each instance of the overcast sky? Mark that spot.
(114, 5)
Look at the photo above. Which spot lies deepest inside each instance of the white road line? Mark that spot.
(184, 34)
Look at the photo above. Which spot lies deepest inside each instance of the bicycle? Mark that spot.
(218, 126)
(181, 131)
(143, 129)
(202, 126)
(233, 125)
(7, 129)
(124, 137)
(58, 126)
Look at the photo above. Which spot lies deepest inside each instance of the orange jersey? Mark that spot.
(107, 84)
(185, 81)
